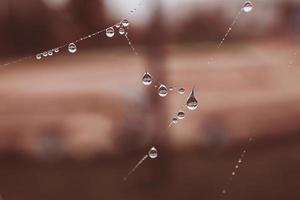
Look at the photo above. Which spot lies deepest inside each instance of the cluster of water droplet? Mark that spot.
(121, 28)
(162, 90)
(46, 53)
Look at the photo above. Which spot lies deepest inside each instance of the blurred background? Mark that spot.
(73, 125)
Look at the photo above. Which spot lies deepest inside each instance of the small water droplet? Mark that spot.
(110, 32)
(224, 191)
(125, 22)
(45, 53)
(233, 173)
(118, 25)
(153, 153)
(147, 79)
(174, 120)
(240, 161)
(181, 90)
(171, 88)
(236, 166)
(162, 91)
(248, 6)
(50, 53)
(72, 48)
(192, 102)
(180, 115)
(38, 56)
(56, 50)
(121, 31)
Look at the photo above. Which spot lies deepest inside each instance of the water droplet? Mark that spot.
(174, 120)
(125, 22)
(153, 153)
(110, 32)
(72, 48)
(236, 166)
(240, 161)
(56, 50)
(181, 90)
(180, 115)
(122, 31)
(147, 79)
(38, 56)
(162, 91)
(50, 53)
(247, 7)
(118, 25)
(233, 173)
(224, 191)
(171, 88)
(45, 53)
(192, 102)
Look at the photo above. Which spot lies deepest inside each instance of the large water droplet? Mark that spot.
(248, 6)
(192, 102)
(181, 90)
(72, 48)
(110, 32)
(162, 91)
(125, 22)
(180, 115)
(38, 56)
(121, 31)
(153, 153)
(147, 79)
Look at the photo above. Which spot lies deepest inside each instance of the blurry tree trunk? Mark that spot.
(156, 60)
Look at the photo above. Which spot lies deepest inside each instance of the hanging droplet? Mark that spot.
(110, 32)
(147, 79)
(38, 56)
(121, 31)
(125, 22)
(72, 48)
(181, 90)
(180, 115)
(56, 50)
(248, 6)
(50, 53)
(45, 53)
(118, 25)
(192, 102)
(153, 153)
(162, 91)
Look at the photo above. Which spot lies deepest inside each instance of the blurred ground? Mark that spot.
(270, 171)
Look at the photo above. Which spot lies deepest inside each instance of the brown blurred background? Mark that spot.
(73, 125)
